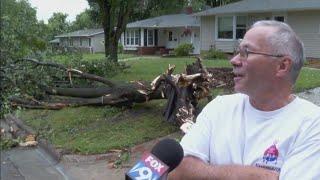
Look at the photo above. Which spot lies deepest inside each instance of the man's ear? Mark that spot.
(284, 66)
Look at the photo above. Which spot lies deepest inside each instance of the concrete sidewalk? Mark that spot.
(36, 164)
(30, 164)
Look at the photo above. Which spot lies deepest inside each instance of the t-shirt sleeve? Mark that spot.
(304, 160)
(197, 141)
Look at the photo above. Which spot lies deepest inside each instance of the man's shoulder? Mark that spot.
(231, 98)
(307, 106)
(228, 101)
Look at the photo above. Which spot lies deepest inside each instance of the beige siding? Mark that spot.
(207, 36)
(253, 17)
(97, 43)
(307, 27)
(226, 46)
(206, 32)
(76, 42)
(85, 42)
(162, 37)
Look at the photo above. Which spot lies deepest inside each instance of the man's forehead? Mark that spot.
(247, 43)
(256, 37)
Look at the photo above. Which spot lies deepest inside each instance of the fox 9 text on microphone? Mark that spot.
(164, 157)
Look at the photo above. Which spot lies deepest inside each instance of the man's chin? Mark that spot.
(238, 89)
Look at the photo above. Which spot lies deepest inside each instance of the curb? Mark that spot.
(43, 144)
(59, 156)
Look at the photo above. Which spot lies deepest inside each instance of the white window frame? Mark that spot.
(153, 34)
(216, 28)
(234, 27)
(70, 42)
(283, 14)
(131, 35)
(170, 38)
(137, 37)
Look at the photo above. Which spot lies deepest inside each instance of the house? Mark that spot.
(221, 27)
(161, 34)
(55, 43)
(88, 40)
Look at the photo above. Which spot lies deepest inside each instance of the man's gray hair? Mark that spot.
(285, 42)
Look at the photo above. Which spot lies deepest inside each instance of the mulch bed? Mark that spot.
(313, 63)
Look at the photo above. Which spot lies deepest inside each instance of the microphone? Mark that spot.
(163, 158)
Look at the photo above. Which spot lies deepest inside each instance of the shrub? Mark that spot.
(120, 48)
(101, 67)
(183, 49)
(214, 54)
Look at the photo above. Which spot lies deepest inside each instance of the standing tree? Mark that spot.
(85, 20)
(58, 24)
(21, 35)
(114, 15)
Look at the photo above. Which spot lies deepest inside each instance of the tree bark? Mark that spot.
(183, 91)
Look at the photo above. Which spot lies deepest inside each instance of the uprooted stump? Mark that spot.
(182, 91)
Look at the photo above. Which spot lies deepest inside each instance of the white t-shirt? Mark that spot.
(230, 131)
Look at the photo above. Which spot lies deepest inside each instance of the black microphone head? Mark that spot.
(169, 151)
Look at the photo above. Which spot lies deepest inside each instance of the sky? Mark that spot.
(45, 8)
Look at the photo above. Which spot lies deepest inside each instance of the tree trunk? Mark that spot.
(182, 91)
(105, 12)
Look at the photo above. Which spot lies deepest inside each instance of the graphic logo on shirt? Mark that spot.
(271, 154)
(271, 159)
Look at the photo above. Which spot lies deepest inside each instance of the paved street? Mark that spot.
(29, 164)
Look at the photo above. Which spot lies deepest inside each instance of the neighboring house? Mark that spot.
(161, 34)
(221, 27)
(55, 43)
(88, 40)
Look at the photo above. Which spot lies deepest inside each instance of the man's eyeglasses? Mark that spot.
(244, 53)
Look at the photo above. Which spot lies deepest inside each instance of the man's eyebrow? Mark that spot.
(244, 45)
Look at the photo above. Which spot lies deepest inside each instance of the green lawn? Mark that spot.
(147, 69)
(89, 130)
(87, 57)
(308, 79)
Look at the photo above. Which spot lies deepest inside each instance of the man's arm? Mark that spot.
(194, 168)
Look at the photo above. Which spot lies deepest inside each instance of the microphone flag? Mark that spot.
(149, 167)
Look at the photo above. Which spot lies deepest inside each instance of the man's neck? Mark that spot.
(271, 103)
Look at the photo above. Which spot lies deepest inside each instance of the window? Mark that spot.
(241, 26)
(150, 37)
(279, 18)
(225, 27)
(70, 42)
(137, 37)
(128, 37)
(170, 36)
(89, 42)
(132, 37)
(231, 27)
(80, 41)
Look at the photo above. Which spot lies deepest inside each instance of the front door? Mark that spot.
(172, 39)
(195, 40)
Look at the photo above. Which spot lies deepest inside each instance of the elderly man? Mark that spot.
(263, 131)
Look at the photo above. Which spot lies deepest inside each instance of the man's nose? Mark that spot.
(236, 60)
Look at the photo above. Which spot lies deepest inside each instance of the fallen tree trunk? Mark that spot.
(183, 91)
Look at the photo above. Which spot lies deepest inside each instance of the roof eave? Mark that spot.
(201, 14)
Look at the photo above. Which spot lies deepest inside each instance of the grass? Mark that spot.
(102, 56)
(308, 79)
(147, 69)
(87, 57)
(90, 130)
